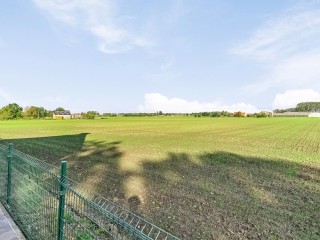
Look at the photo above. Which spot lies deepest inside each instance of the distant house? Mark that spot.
(60, 115)
(76, 115)
(314, 114)
(239, 114)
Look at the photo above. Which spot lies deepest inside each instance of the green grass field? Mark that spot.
(199, 178)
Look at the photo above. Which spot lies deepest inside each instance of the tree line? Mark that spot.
(14, 111)
(302, 107)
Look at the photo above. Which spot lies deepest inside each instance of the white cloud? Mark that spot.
(283, 35)
(98, 18)
(288, 47)
(156, 102)
(299, 71)
(291, 98)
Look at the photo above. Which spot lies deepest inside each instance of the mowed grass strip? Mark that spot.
(200, 178)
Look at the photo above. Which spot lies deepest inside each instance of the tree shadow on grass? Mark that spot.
(222, 195)
(209, 196)
(94, 164)
(218, 195)
(51, 149)
(89, 162)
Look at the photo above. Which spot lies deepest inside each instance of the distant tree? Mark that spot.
(43, 112)
(225, 114)
(261, 115)
(11, 111)
(36, 112)
(301, 107)
(216, 114)
(49, 113)
(60, 109)
(279, 110)
(31, 112)
(15, 110)
(211, 114)
(205, 114)
(5, 114)
(291, 110)
(237, 114)
(90, 114)
(83, 115)
(308, 107)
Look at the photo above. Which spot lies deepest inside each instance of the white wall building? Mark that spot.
(315, 114)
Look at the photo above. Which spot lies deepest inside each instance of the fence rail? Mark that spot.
(46, 204)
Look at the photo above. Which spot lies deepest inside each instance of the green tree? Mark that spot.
(4, 114)
(11, 111)
(42, 113)
(15, 110)
(261, 115)
(60, 109)
(90, 114)
(31, 112)
(35, 112)
(308, 107)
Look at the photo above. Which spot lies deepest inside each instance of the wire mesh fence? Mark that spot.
(46, 204)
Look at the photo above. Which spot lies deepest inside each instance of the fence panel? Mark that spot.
(3, 173)
(33, 202)
(34, 197)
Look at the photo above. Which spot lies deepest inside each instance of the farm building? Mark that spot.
(76, 115)
(60, 115)
(314, 114)
(239, 114)
(292, 114)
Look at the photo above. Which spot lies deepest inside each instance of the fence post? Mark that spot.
(9, 180)
(62, 194)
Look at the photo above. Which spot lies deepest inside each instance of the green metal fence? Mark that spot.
(46, 204)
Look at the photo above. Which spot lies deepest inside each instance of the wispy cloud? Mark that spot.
(298, 71)
(156, 102)
(288, 44)
(291, 98)
(97, 17)
(285, 34)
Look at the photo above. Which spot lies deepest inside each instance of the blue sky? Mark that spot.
(169, 55)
